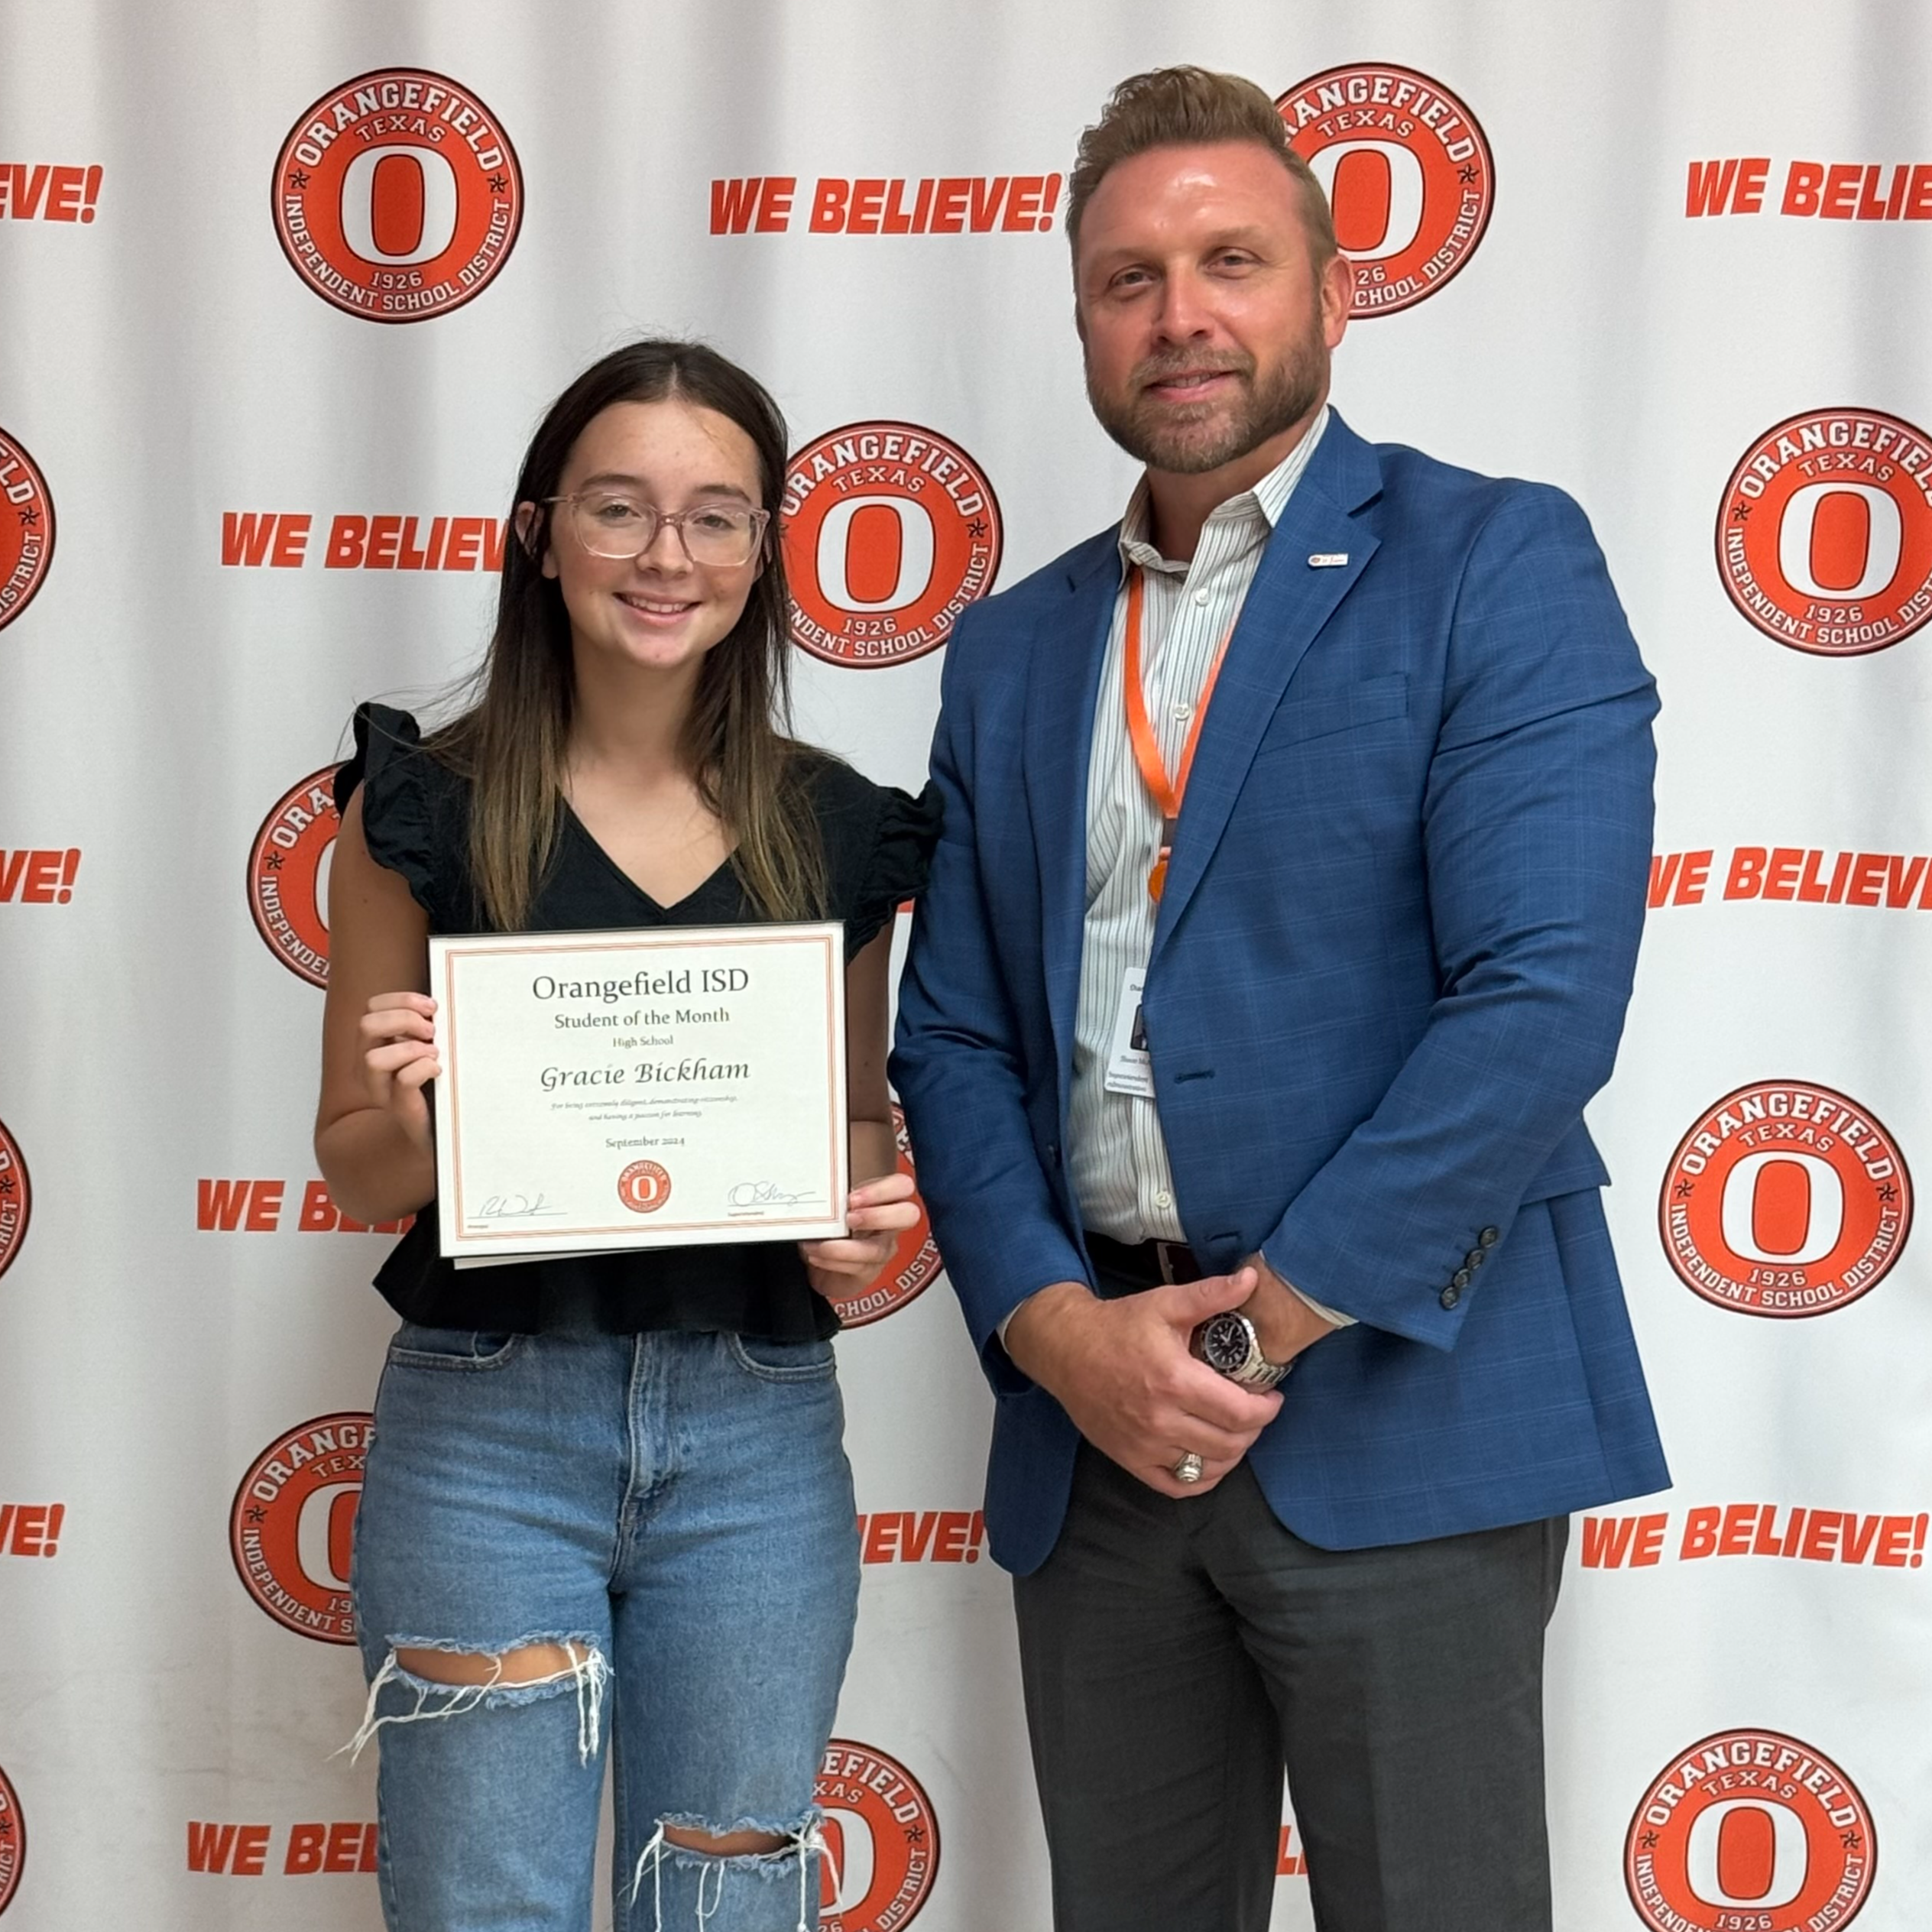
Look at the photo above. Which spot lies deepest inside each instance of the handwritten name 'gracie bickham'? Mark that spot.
(691, 1070)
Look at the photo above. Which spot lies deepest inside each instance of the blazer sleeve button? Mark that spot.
(1489, 1237)
(1475, 1258)
(1450, 1297)
(1460, 1279)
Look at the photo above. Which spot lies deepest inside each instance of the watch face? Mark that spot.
(1226, 1343)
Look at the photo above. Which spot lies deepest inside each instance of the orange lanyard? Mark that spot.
(1167, 793)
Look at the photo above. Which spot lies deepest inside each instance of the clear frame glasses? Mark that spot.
(608, 524)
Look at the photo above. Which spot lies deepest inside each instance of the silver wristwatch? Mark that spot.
(1229, 1345)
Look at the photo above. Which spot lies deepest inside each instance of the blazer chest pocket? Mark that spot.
(1373, 701)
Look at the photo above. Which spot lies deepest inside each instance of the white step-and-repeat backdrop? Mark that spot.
(283, 292)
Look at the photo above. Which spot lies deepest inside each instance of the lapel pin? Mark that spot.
(1328, 559)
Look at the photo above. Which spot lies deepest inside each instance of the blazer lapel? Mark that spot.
(1063, 680)
(1288, 602)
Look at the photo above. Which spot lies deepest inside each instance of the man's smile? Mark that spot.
(1192, 385)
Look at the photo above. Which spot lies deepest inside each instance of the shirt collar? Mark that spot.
(1260, 508)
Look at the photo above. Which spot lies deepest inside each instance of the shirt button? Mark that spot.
(1201, 598)
(1163, 1199)
(1184, 712)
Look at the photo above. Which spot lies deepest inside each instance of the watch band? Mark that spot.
(1228, 1344)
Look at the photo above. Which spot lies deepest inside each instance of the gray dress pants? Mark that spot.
(1178, 1655)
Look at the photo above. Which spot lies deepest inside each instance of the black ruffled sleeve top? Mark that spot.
(878, 842)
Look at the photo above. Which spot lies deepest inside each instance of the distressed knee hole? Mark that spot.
(447, 1680)
(760, 1851)
(530, 1663)
(728, 1844)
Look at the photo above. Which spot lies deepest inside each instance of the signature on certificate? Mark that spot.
(764, 1193)
(514, 1208)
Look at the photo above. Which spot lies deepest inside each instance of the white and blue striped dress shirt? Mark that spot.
(1118, 1158)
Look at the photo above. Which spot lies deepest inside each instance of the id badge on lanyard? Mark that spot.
(1129, 1067)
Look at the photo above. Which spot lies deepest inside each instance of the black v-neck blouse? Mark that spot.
(878, 842)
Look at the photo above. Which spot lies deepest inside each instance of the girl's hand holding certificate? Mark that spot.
(400, 1054)
(877, 1215)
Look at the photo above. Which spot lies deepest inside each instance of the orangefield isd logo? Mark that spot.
(1407, 172)
(288, 876)
(910, 1271)
(1751, 1830)
(884, 1840)
(890, 531)
(1824, 539)
(13, 1842)
(26, 529)
(643, 1187)
(290, 1525)
(397, 195)
(16, 1198)
(1786, 1199)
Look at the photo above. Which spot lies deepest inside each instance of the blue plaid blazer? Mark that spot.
(1390, 966)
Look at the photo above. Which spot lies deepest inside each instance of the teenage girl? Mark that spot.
(608, 1500)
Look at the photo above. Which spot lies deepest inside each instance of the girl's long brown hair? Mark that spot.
(511, 743)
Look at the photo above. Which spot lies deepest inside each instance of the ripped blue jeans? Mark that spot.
(675, 1509)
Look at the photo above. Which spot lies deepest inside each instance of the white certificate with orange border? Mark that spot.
(639, 1089)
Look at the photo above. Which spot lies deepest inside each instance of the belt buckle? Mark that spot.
(1167, 1251)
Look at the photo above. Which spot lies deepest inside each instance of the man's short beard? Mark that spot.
(1151, 434)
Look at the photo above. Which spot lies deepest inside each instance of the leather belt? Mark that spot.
(1146, 1264)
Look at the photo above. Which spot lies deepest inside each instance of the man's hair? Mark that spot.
(1175, 107)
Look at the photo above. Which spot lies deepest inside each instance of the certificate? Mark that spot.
(639, 1089)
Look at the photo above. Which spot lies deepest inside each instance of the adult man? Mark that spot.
(1313, 1045)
